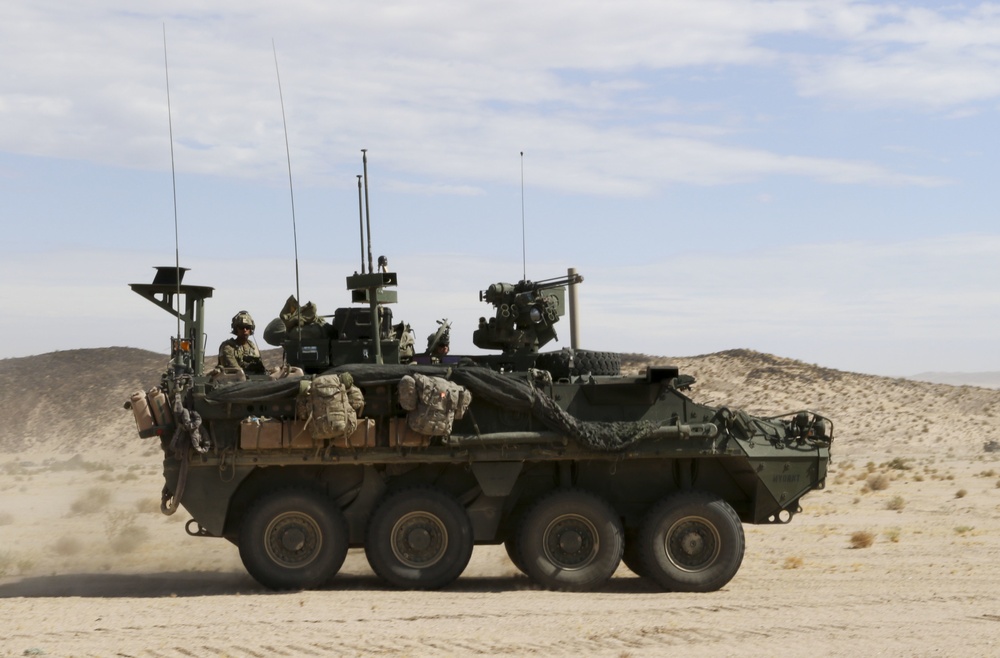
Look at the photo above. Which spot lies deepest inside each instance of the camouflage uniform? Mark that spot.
(245, 356)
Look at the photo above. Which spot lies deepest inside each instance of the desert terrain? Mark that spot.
(896, 557)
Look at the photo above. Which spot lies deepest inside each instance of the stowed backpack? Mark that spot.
(331, 405)
(433, 403)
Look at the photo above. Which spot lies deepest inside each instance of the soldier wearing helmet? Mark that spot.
(439, 342)
(241, 352)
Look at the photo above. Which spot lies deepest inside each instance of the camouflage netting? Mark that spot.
(485, 385)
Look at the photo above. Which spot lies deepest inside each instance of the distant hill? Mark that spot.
(72, 401)
(984, 379)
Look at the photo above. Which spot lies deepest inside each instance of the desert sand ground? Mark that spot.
(89, 567)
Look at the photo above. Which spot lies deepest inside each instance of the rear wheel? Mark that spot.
(419, 539)
(631, 554)
(571, 540)
(691, 542)
(293, 539)
(514, 553)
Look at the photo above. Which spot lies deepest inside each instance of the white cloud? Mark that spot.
(450, 86)
(934, 59)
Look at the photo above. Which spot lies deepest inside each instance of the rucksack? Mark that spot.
(433, 403)
(331, 414)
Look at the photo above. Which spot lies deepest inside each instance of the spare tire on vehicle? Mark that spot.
(569, 362)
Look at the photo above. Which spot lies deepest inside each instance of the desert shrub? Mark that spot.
(892, 534)
(963, 529)
(862, 539)
(900, 464)
(896, 503)
(66, 546)
(878, 481)
(961, 493)
(93, 500)
(793, 562)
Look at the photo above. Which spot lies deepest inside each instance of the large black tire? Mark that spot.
(293, 539)
(630, 556)
(597, 363)
(571, 540)
(583, 362)
(513, 552)
(691, 542)
(419, 538)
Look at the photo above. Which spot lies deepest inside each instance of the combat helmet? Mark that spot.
(441, 337)
(243, 319)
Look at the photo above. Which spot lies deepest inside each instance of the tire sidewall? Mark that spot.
(451, 515)
(531, 539)
(330, 553)
(704, 510)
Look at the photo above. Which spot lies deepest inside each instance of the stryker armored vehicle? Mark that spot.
(357, 442)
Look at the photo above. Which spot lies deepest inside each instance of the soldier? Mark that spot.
(439, 343)
(241, 352)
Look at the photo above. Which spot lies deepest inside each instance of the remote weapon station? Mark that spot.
(356, 441)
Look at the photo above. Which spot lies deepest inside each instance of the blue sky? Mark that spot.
(810, 179)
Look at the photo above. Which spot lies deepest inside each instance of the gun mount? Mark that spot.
(526, 314)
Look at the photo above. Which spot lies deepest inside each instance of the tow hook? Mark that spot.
(198, 530)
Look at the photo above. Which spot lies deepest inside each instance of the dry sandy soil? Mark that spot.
(89, 567)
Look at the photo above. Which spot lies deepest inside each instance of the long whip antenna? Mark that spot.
(291, 192)
(524, 253)
(173, 177)
(361, 224)
(368, 216)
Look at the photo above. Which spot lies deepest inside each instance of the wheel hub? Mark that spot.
(419, 540)
(692, 544)
(293, 540)
(571, 542)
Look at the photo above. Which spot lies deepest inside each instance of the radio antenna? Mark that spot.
(291, 191)
(361, 224)
(173, 177)
(524, 255)
(368, 215)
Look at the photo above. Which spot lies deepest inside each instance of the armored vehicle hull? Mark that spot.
(572, 472)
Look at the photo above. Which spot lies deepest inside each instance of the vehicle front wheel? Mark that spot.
(691, 542)
(293, 539)
(571, 540)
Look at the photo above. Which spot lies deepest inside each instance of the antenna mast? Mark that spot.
(524, 254)
(291, 192)
(173, 177)
(368, 215)
(361, 225)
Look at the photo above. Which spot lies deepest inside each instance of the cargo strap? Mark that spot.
(188, 423)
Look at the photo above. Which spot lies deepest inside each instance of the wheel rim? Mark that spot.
(293, 540)
(692, 544)
(419, 540)
(571, 542)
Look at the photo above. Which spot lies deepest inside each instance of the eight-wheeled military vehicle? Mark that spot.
(358, 441)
